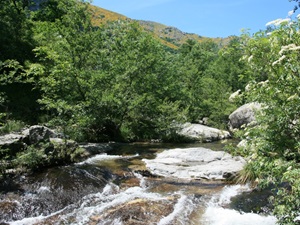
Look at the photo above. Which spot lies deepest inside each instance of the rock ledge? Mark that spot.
(195, 163)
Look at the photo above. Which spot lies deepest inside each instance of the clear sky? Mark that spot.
(210, 18)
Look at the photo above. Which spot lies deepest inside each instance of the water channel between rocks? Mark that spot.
(113, 188)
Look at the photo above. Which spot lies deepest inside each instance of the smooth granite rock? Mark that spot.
(195, 163)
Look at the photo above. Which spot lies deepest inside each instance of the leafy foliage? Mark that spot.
(273, 145)
(104, 84)
(15, 31)
(114, 81)
(205, 82)
(11, 126)
(16, 45)
(111, 82)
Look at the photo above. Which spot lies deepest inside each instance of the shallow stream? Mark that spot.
(114, 188)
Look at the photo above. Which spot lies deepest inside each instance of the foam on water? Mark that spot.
(33, 220)
(216, 214)
(112, 196)
(143, 182)
(221, 216)
(43, 189)
(104, 157)
(28, 221)
(181, 211)
(97, 203)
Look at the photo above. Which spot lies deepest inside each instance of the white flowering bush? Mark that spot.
(273, 147)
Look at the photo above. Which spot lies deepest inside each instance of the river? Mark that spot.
(114, 188)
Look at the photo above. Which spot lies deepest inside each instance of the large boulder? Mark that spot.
(16, 142)
(195, 163)
(244, 115)
(96, 148)
(49, 150)
(37, 133)
(202, 133)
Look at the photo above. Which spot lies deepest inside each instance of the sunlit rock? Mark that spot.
(244, 115)
(195, 163)
(202, 133)
(12, 143)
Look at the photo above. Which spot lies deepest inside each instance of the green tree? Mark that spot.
(143, 84)
(206, 81)
(69, 50)
(104, 83)
(273, 146)
(15, 31)
(194, 60)
(229, 67)
(16, 45)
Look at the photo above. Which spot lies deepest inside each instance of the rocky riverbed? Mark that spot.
(196, 163)
(115, 188)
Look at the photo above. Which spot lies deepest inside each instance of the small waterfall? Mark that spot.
(114, 205)
(182, 210)
(218, 213)
(105, 190)
(51, 191)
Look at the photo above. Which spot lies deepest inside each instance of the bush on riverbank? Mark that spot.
(36, 148)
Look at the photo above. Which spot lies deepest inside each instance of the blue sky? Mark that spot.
(210, 18)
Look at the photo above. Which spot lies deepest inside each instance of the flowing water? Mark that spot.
(114, 188)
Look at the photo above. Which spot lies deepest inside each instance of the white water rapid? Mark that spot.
(144, 200)
(217, 214)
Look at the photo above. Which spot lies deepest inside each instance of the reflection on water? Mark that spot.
(148, 150)
(110, 189)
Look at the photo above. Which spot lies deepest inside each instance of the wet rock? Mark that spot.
(10, 210)
(43, 144)
(202, 133)
(244, 115)
(146, 173)
(17, 142)
(195, 163)
(10, 139)
(96, 148)
(136, 212)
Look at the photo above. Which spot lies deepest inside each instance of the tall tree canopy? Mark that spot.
(114, 82)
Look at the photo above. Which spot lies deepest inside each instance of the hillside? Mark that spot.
(174, 35)
(100, 15)
(169, 36)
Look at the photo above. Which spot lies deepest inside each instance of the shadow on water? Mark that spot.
(147, 150)
(254, 201)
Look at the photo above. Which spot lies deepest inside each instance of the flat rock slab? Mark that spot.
(10, 139)
(195, 163)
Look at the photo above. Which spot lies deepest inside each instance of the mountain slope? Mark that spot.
(100, 15)
(174, 35)
(169, 36)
